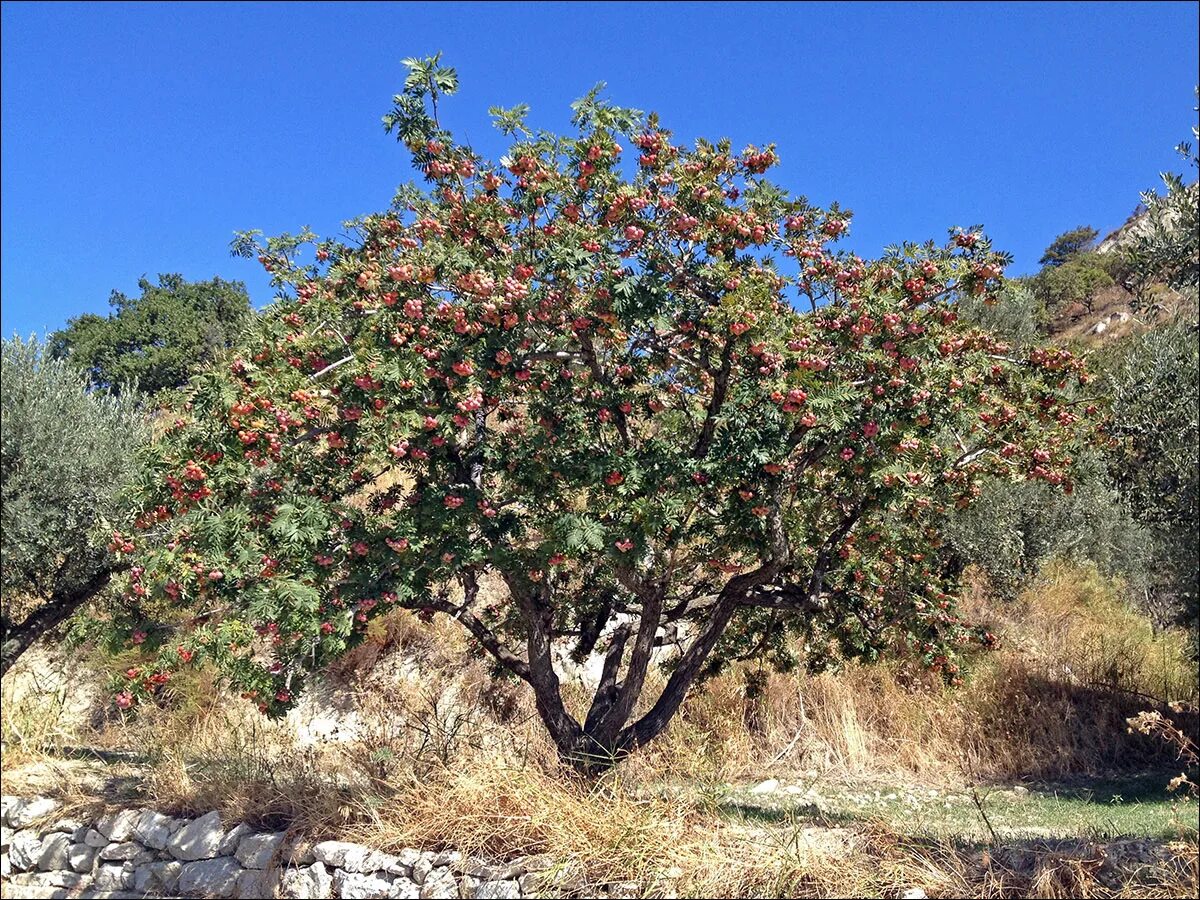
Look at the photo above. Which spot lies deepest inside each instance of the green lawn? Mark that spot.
(1137, 806)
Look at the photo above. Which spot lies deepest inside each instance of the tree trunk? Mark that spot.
(18, 638)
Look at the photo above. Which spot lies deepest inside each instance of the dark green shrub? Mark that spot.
(65, 454)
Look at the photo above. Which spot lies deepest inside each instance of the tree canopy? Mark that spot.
(158, 339)
(568, 398)
(66, 453)
(1068, 244)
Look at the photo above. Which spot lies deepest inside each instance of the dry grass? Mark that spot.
(439, 755)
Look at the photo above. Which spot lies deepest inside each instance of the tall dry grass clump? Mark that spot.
(1076, 661)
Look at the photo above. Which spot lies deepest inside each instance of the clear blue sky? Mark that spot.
(137, 138)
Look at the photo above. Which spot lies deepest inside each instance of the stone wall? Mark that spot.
(143, 853)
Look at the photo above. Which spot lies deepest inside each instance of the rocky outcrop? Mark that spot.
(143, 853)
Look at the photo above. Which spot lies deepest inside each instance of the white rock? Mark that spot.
(476, 868)
(81, 857)
(404, 889)
(158, 877)
(210, 877)
(233, 838)
(7, 802)
(258, 850)
(498, 890)
(357, 886)
(6, 835)
(912, 894)
(408, 856)
(353, 858)
(47, 881)
(201, 839)
(765, 787)
(25, 813)
(312, 883)
(421, 868)
(5, 865)
(128, 851)
(118, 827)
(440, 884)
(256, 883)
(67, 826)
(112, 878)
(154, 829)
(25, 849)
(56, 852)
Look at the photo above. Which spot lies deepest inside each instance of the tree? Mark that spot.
(1075, 282)
(1167, 249)
(590, 387)
(158, 339)
(1068, 244)
(1153, 384)
(65, 454)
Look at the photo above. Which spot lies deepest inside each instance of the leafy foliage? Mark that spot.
(1168, 248)
(66, 452)
(1068, 244)
(1153, 380)
(157, 340)
(1075, 281)
(588, 380)
(1018, 528)
(1012, 314)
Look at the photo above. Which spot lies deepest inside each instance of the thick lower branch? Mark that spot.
(62, 603)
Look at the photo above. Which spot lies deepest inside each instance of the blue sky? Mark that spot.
(137, 138)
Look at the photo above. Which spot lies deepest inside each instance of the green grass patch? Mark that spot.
(1137, 806)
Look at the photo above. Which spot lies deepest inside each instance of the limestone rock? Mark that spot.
(81, 857)
(256, 883)
(47, 880)
(126, 851)
(24, 813)
(498, 890)
(404, 889)
(311, 883)
(25, 849)
(158, 877)
(210, 877)
(766, 787)
(353, 858)
(201, 839)
(154, 829)
(440, 884)
(258, 850)
(66, 826)
(357, 886)
(55, 852)
(6, 835)
(94, 839)
(113, 877)
(233, 838)
(421, 868)
(118, 827)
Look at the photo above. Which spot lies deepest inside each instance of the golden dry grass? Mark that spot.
(442, 756)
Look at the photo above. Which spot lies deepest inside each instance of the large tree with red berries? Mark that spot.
(631, 382)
